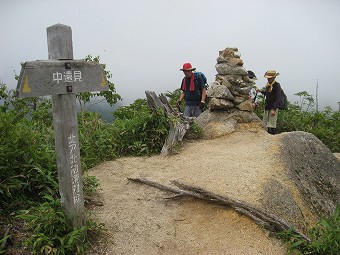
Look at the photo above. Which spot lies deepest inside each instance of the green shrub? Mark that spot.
(324, 236)
(28, 175)
(95, 139)
(52, 233)
(195, 132)
(90, 185)
(137, 131)
(325, 124)
(28, 168)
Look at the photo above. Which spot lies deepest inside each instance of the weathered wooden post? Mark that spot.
(62, 77)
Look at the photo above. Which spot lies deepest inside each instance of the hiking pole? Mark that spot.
(255, 97)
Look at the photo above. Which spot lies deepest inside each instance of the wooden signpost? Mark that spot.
(62, 77)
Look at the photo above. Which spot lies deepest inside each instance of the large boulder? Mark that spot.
(220, 123)
(313, 169)
(306, 188)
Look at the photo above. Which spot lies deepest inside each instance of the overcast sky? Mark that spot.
(145, 42)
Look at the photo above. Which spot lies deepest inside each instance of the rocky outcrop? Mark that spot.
(230, 107)
(219, 123)
(314, 170)
(290, 175)
(306, 188)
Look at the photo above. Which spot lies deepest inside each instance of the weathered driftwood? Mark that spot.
(178, 124)
(156, 103)
(269, 221)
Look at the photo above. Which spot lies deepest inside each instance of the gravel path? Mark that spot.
(140, 220)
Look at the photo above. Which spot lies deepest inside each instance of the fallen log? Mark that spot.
(269, 221)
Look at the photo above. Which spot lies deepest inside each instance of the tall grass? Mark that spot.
(324, 236)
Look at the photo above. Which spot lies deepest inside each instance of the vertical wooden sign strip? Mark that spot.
(59, 40)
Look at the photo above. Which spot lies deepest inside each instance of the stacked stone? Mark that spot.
(232, 86)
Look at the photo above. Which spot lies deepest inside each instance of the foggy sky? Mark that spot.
(145, 42)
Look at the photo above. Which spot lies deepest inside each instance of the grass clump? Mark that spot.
(324, 236)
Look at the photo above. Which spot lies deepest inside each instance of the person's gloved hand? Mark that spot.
(201, 105)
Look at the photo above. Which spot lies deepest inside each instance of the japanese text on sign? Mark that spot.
(67, 76)
(74, 166)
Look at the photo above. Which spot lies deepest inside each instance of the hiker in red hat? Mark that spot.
(193, 92)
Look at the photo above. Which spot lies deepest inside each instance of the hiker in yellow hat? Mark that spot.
(272, 94)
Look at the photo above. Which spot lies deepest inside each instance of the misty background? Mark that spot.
(145, 43)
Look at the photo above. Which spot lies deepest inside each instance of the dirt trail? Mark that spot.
(140, 220)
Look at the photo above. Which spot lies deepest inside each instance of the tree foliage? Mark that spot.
(111, 96)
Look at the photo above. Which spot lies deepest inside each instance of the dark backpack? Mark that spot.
(203, 77)
(283, 104)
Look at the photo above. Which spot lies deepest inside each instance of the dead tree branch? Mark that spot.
(269, 221)
(178, 124)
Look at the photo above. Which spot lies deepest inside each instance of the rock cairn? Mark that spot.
(230, 107)
(231, 88)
